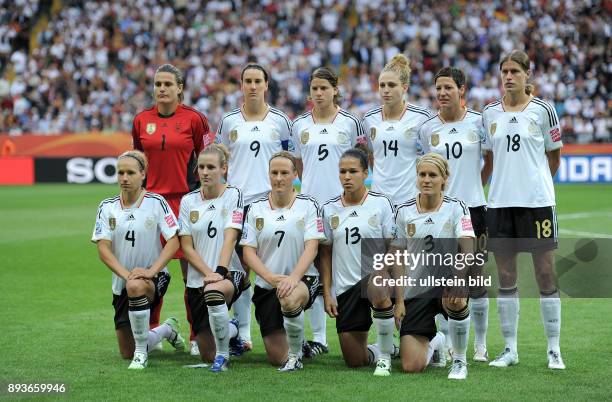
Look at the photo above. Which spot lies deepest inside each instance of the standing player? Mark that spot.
(525, 138)
(355, 215)
(280, 237)
(252, 133)
(432, 216)
(127, 233)
(456, 133)
(391, 130)
(320, 137)
(171, 135)
(210, 221)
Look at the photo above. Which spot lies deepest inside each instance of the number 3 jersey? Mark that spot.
(519, 141)
(134, 232)
(346, 226)
(461, 143)
(251, 144)
(205, 221)
(320, 145)
(279, 234)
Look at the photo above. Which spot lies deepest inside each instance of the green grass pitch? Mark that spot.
(57, 323)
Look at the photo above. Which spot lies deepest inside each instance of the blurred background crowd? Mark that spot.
(78, 66)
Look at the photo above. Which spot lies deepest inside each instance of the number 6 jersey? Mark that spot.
(134, 232)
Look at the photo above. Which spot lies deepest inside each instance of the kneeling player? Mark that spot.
(211, 219)
(431, 216)
(355, 215)
(281, 236)
(127, 233)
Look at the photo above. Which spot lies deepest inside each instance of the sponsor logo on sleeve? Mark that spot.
(360, 140)
(237, 217)
(98, 228)
(466, 224)
(319, 225)
(170, 221)
(555, 134)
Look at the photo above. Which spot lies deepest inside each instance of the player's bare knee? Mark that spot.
(454, 304)
(135, 287)
(413, 366)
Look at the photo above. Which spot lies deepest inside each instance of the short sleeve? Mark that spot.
(551, 130)
(295, 139)
(234, 217)
(463, 221)
(486, 143)
(167, 221)
(327, 230)
(399, 240)
(101, 229)
(136, 136)
(201, 133)
(314, 223)
(184, 224)
(422, 141)
(366, 129)
(222, 136)
(359, 135)
(249, 234)
(388, 223)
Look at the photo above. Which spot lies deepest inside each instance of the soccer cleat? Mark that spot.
(396, 352)
(194, 349)
(505, 359)
(220, 364)
(158, 347)
(139, 362)
(307, 350)
(458, 370)
(317, 348)
(383, 367)
(480, 353)
(175, 339)
(293, 363)
(438, 359)
(555, 361)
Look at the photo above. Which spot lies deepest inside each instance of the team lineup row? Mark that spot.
(519, 136)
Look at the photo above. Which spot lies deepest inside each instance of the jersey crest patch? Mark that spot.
(233, 135)
(259, 223)
(373, 221)
(373, 133)
(151, 127)
(150, 223)
(112, 223)
(304, 137)
(411, 229)
(493, 128)
(409, 133)
(300, 223)
(435, 139)
(342, 138)
(194, 216)
(335, 221)
(472, 136)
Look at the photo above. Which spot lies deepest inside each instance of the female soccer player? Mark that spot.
(351, 217)
(127, 233)
(252, 133)
(211, 220)
(456, 133)
(525, 138)
(280, 237)
(432, 216)
(320, 137)
(171, 135)
(391, 130)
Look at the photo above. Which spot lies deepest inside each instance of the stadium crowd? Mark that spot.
(93, 65)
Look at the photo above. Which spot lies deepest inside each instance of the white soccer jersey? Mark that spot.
(320, 146)
(134, 232)
(394, 146)
(279, 234)
(346, 226)
(451, 221)
(519, 141)
(205, 221)
(461, 143)
(251, 144)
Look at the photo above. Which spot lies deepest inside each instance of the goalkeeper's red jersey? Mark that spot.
(172, 144)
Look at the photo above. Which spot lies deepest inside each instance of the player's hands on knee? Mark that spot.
(274, 280)
(286, 286)
(399, 311)
(140, 273)
(212, 278)
(331, 306)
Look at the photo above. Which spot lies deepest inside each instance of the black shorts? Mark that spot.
(479, 223)
(354, 310)
(268, 309)
(197, 304)
(420, 318)
(120, 303)
(522, 229)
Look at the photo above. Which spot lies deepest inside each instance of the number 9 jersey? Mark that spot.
(519, 141)
(134, 232)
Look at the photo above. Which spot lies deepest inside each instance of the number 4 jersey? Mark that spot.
(279, 234)
(134, 232)
(519, 141)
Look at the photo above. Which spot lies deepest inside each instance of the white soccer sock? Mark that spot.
(437, 342)
(242, 311)
(318, 321)
(459, 331)
(218, 316)
(508, 308)
(293, 322)
(139, 313)
(550, 306)
(373, 353)
(158, 333)
(383, 318)
(479, 312)
(443, 327)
